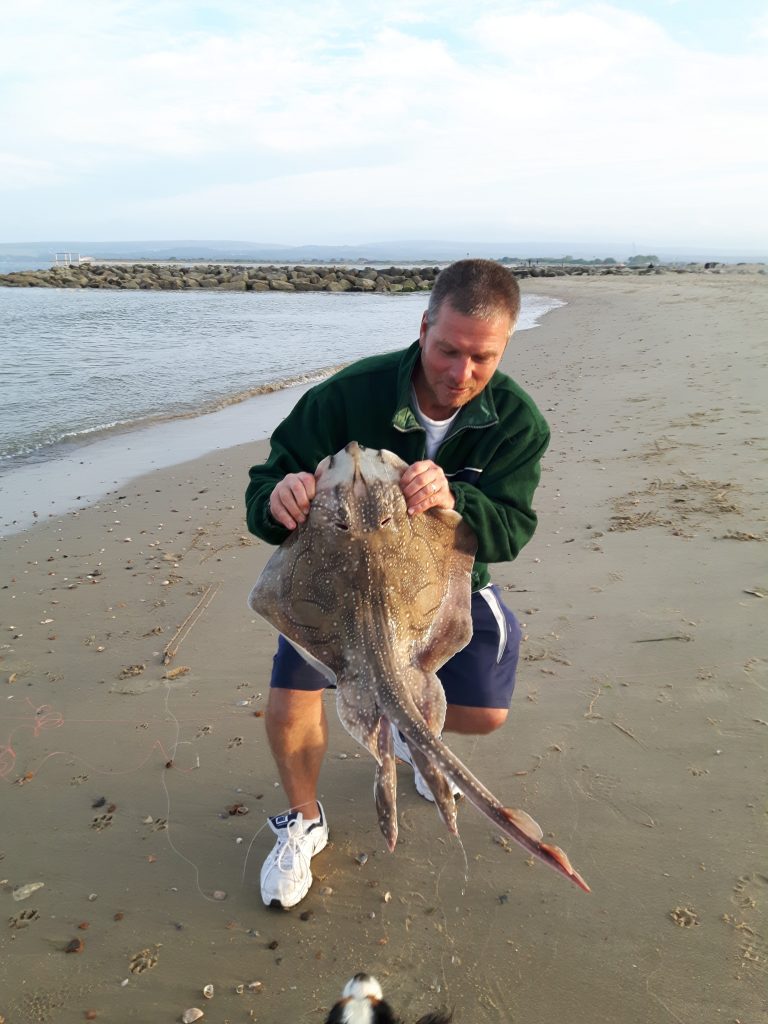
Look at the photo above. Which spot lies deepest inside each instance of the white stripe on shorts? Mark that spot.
(493, 603)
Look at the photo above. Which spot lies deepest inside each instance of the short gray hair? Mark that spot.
(481, 288)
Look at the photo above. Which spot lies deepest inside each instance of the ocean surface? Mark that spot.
(78, 365)
(98, 388)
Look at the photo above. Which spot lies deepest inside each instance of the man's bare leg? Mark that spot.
(473, 721)
(297, 730)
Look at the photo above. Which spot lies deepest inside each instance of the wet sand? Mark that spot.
(638, 733)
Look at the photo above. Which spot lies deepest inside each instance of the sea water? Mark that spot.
(159, 377)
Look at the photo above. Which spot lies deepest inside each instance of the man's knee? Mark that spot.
(474, 721)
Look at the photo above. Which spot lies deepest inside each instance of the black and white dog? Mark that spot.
(362, 1002)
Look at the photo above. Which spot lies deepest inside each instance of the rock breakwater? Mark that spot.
(234, 278)
(225, 277)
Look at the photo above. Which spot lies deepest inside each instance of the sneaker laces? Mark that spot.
(290, 851)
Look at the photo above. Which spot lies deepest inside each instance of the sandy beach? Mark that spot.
(637, 738)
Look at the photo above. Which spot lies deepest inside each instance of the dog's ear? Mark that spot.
(384, 1014)
(438, 1017)
(336, 1016)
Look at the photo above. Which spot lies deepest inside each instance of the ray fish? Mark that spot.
(377, 601)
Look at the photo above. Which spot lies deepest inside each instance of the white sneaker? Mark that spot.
(422, 787)
(286, 875)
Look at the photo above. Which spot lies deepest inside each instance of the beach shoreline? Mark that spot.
(637, 736)
(64, 477)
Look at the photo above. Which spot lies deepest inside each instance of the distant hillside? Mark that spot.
(404, 251)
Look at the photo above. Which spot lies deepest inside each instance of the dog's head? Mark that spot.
(362, 1002)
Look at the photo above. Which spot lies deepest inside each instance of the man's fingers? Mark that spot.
(414, 474)
(421, 476)
(441, 498)
(290, 499)
(425, 486)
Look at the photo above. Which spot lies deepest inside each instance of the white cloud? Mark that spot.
(19, 172)
(576, 116)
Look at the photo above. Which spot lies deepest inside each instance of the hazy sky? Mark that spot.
(643, 123)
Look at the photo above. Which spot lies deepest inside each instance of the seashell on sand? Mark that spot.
(23, 892)
(191, 1015)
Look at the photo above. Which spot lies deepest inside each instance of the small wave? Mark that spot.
(310, 377)
(70, 439)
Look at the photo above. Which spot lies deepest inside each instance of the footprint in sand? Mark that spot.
(748, 894)
(24, 918)
(684, 917)
(144, 960)
(101, 822)
(748, 890)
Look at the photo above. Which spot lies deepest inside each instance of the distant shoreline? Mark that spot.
(257, 276)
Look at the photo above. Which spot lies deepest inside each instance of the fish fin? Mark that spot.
(561, 857)
(447, 604)
(524, 822)
(428, 696)
(385, 786)
(298, 602)
(359, 717)
(439, 786)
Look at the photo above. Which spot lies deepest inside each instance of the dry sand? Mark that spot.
(637, 738)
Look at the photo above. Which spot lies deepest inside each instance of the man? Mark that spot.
(473, 440)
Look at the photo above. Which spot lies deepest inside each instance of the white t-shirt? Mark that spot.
(436, 429)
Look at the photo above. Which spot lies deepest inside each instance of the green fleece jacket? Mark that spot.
(490, 456)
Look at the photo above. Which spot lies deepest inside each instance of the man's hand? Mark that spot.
(424, 486)
(289, 501)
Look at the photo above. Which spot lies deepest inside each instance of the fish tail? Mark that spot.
(516, 824)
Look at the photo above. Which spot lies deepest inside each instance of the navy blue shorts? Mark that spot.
(482, 675)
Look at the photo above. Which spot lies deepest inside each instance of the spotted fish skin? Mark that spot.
(379, 600)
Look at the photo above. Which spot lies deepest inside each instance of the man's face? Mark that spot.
(459, 355)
